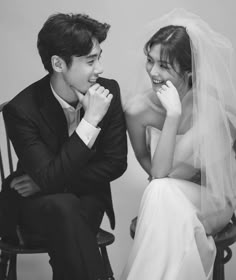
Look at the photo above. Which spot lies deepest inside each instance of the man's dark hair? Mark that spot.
(68, 35)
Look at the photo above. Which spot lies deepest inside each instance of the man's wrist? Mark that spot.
(92, 120)
(87, 132)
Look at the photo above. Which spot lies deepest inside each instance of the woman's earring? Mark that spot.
(190, 80)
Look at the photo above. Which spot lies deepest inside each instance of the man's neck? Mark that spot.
(74, 104)
(63, 90)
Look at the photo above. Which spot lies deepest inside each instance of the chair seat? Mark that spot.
(104, 238)
(133, 227)
(7, 247)
(224, 238)
(227, 236)
(34, 243)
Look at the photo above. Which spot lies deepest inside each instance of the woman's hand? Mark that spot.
(169, 98)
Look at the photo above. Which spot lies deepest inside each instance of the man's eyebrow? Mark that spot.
(89, 56)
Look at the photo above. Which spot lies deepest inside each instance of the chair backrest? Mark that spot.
(6, 150)
(7, 158)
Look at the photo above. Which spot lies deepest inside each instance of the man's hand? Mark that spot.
(24, 185)
(95, 102)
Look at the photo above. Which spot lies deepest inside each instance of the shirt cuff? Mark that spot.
(87, 132)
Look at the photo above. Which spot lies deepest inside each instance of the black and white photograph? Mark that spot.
(118, 140)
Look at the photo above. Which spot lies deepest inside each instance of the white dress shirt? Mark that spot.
(87, 132)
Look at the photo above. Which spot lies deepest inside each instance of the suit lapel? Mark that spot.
(52, 112)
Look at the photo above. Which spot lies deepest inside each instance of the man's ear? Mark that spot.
(57, 63)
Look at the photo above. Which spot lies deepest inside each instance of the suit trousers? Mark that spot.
(70, 224)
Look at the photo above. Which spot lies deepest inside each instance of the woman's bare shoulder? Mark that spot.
(143, 110)
(136, 106)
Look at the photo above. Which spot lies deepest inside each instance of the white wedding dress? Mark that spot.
(170, 241)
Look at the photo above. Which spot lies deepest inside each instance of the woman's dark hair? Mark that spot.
(175, 47)
(68, 35)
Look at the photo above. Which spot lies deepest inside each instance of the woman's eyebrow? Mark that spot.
(149, 56)
(164, 62)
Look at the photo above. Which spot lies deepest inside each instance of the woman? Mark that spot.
(182, 131)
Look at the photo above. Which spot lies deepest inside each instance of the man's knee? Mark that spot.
(61, 206)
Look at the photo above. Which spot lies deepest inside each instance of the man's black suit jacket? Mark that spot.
(37, 127)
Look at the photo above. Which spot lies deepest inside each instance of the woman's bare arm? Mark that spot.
(162, 160)
(137, 134)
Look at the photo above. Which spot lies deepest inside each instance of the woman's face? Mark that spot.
(161, 71)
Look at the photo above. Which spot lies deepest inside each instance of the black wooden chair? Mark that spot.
(31, 243)
(223, 240)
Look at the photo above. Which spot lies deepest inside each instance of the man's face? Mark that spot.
(84, 70)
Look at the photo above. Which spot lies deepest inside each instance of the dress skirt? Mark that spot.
(170, 241)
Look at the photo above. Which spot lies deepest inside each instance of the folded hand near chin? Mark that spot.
(24, 185)
(95, 102)
(169, 98)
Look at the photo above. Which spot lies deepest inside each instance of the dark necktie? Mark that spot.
(81, 115)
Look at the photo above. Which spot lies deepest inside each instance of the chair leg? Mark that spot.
(218, 273)
(107, 264)
(12, 268)
(4, 260)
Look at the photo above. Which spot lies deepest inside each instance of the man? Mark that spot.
(68, 131)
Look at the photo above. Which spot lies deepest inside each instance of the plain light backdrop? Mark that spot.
(20, 22)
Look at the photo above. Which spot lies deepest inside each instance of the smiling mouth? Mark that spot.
(93, 81)
(158, 82)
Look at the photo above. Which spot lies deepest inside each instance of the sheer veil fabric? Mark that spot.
(214, 106)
